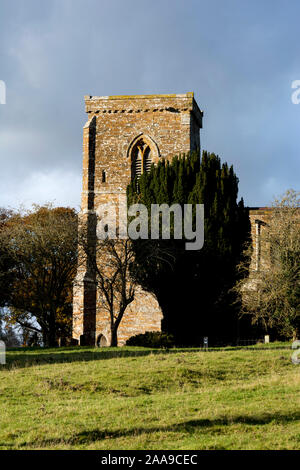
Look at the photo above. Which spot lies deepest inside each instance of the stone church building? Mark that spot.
(123, 136)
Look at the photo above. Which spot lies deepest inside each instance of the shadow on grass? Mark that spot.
(27, 357)
(189, 427)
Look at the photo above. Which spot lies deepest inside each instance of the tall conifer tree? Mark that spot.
(193, 287)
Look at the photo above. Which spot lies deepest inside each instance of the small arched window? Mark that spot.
(103, 176)
(141, 159)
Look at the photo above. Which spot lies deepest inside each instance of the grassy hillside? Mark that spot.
(135, 398)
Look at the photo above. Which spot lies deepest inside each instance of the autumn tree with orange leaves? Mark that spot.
(40, 247)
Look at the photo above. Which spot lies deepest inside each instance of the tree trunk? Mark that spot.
(45, 338)
(52, 331)
(114, 337)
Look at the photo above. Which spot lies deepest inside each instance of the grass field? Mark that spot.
(136, 398)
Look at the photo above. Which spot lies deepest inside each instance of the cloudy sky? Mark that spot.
(240, 58)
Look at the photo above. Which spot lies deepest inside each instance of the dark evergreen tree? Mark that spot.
(193, 287)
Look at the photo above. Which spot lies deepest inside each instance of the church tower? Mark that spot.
(123, 136)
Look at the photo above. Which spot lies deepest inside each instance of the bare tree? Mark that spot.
(111, 262)
(271, 292)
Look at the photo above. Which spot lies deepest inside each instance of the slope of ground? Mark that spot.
(135, 398)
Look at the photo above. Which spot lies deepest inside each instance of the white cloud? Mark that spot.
(62, 188)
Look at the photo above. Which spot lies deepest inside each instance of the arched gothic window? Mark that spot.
(141, 158)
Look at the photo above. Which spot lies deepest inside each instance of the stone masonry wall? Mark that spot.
(259, 218)
(170, 124)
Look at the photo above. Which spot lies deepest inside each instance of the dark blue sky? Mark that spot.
(239, 57)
